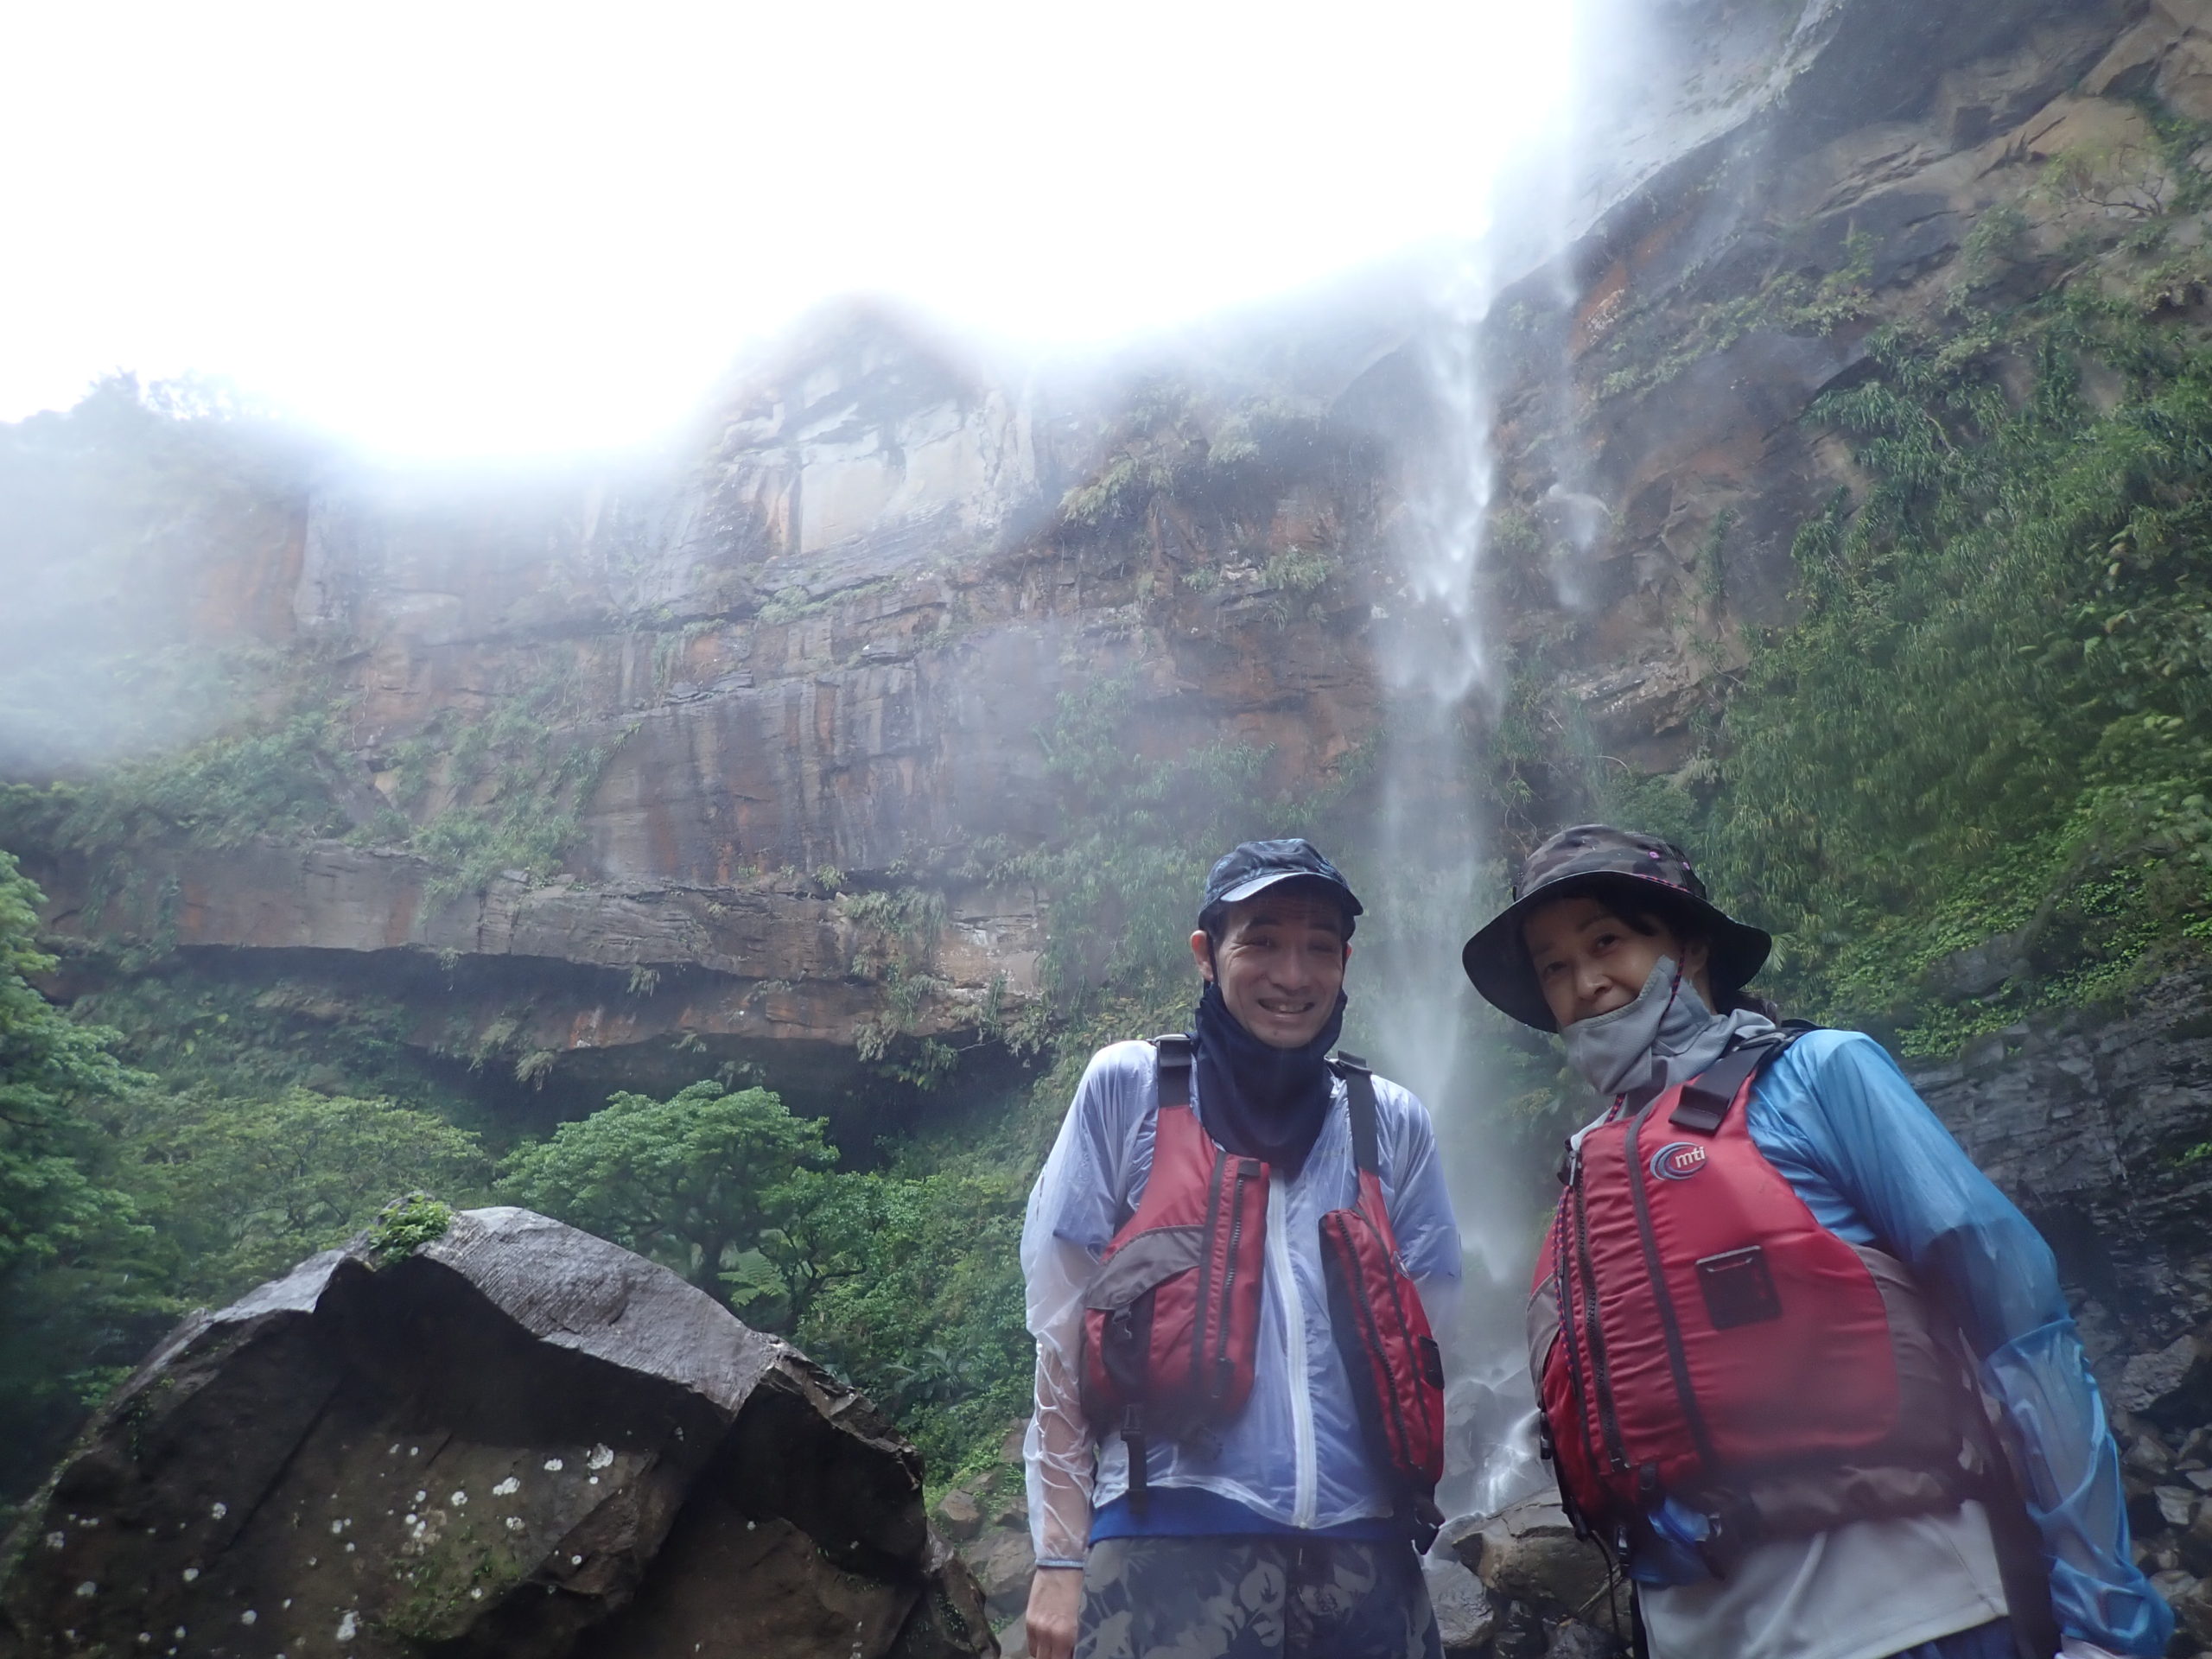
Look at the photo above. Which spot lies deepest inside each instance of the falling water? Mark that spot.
(1441, 660)
(1432, 872)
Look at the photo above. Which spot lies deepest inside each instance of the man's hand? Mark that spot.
(1055, 1599)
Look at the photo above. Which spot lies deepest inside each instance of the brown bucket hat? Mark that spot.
(1598, 858)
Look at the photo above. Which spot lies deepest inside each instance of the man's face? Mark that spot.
(1589, 962)
(1279, 964)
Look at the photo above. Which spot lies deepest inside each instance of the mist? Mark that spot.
(505, 228)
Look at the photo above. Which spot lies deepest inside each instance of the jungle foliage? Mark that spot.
(1993, 722)
(124, 1201)
(1972, 777)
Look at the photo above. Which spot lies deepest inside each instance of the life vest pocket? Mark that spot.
(1171, 1318)
(1738, 1288)
(1383, 1336)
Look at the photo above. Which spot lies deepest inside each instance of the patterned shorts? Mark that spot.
(1259, 1598)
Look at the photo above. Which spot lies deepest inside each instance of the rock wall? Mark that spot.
(815, 657)
(813, 642)
(2098, 1123)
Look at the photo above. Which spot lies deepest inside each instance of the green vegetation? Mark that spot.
(474, 798)
(405, 1225)
(511, 783)
(1973, 779)
(1167, 444)
(902, 926)
(242, 1188)
(1653, 349)
(74, 1292)
(123, 1203)
(1993, 719)
(691, 1181)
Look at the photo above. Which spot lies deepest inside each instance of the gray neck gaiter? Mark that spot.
(1665, 1037)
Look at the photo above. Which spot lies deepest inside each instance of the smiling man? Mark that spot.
(1231, 1257)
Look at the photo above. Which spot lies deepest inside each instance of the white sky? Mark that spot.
(459, 228)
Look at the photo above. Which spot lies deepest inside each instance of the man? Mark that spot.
(1265, 1503)
(1747, 1327)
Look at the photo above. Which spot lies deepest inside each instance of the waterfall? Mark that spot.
(1443, 668)
(1433, 873)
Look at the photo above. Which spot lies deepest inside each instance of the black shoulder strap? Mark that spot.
(1175, 1050)
(1708, 1096)
(1359, 1093)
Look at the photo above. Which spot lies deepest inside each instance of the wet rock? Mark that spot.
(958, 1517)
(516, 1438)
(949, 1620)
(1572, 1639)
(2144, 1518)
(1462, 1537)
(1520, 1633)
(1465, 1618)
(1003, 1565)
(2194, 1547)
(2147, 1455)
(1528, 1553)
(2191, 1600)
(1979, 969)
(2083, 1119)
(2177, 1504)
(2171, 1385)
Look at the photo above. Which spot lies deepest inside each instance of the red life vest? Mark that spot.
(1381, 1328)
(1698, 1334)
(1172, 1318)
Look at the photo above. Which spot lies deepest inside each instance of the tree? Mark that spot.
(695, 1181)
(917, 1296)
(244, 1188)
(74, 1298)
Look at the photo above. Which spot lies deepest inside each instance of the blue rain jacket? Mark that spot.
(1838, 1120)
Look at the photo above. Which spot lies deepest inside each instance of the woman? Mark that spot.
(1746, 1327)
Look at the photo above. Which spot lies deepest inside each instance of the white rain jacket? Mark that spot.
(1296, 1454)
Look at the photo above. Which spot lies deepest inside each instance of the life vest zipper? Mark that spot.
(1600, 1372)
(1563, 1303)
(1670, 1323)
(1397, 1304)
(1198, 1330)
(1224, 1366)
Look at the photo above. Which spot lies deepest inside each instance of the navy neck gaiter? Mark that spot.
(1256, 1100)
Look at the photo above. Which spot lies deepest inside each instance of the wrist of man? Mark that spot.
(1054, 1564)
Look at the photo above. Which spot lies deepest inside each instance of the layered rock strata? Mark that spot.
(815, 642)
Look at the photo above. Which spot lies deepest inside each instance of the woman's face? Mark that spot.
(1589, 962)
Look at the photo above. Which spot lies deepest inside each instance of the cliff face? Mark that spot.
(808, 664)
(788, 677)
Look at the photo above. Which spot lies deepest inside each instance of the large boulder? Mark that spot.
(513, 1440)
